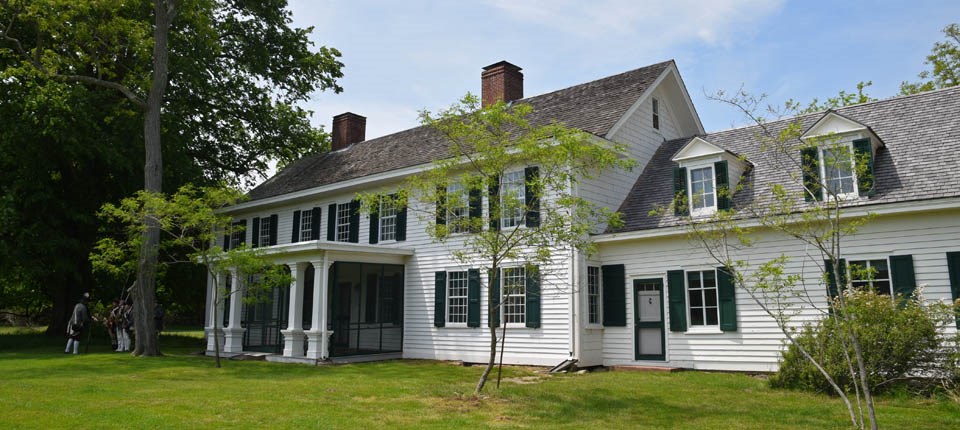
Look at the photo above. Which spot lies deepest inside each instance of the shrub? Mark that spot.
(900, 340)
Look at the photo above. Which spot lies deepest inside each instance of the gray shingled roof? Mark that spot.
(593, 107)
(919, 161)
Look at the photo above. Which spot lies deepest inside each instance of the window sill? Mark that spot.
(456, 325)
(593, 326)
(704, 330)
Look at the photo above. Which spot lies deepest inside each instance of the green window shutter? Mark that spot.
(863, 154)
(727, 298)
(476, 207)
(255, 238)
(722, 185)
(226, 242)
(315, 225)
(354, 221)
(401, 233)
(274, 221)
(677, 300)
(332, 222)
(530, 193)
(953, 267)
(473, 298)
(681, 206)
(440, 299)
(532, 292)
(295, 235)
(614, 295)
(810, 164)
(832, 289)
(375, 225)
(903, 279)
(494, 300)
(493, 202)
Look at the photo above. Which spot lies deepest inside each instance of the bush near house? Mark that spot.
(902, 341)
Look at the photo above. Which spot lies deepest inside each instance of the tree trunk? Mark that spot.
(147, 343)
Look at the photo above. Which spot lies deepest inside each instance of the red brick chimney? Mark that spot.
(348, 128)
(501, 81)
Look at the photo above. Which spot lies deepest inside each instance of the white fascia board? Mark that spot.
(833, 124)
(320, 245)
(363, 181)
(697, 148)
(851, 212)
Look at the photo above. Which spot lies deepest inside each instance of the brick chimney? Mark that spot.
(501, 81)
(348, 128)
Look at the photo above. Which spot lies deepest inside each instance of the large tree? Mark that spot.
(215, 81)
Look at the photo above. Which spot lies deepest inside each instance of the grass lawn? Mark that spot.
(40, 387)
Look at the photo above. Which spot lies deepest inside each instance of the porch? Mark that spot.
(346, 300)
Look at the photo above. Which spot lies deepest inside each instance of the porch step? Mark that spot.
(567, 365)
(626, 368)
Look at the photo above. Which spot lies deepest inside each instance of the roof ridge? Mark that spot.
(597, 80)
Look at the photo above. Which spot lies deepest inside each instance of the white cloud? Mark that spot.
(714, 22)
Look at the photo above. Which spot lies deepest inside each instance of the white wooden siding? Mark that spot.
(757, 343)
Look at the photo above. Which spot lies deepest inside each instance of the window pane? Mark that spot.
(696, 298)
(709, 279)
(696, 318)
(712, 316)
(693, 279)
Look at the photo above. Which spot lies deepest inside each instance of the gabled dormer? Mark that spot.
(837, 158)
(706, 176)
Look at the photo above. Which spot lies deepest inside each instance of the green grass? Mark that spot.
(40, 387)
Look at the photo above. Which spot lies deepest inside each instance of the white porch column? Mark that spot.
(293, 335)
(214, 311)
(318, 348)
(233, 334)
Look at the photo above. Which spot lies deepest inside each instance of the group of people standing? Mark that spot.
(119, 323)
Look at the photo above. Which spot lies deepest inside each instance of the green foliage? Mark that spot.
(191, 224)
(899, 339)
(945, 59)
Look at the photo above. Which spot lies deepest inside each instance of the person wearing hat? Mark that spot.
(79, 319)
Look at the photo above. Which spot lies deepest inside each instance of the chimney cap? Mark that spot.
(503, 64)
(347, 115)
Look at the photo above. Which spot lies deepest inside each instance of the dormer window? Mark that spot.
(837, 159)
(702, 194)
(703, 178)
(839, 174)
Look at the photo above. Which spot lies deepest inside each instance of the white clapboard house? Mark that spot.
(379, 287)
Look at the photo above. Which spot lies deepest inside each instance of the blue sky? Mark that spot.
(404, 56)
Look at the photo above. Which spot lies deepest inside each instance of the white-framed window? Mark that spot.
(837, 168)
(388, 219)
(306, 225)
(656, 114)
(702, 298)
(343, 222)
(512, 199)
(593, 295)
(237, 236)
(703, 195)
(458, 208)
(872, 274)
(514, 289)
(264, 239)
(457, 288)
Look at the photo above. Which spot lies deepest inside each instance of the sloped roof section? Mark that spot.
(593, 107)
(919, 162)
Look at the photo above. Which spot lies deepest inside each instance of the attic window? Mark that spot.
(656, 114)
